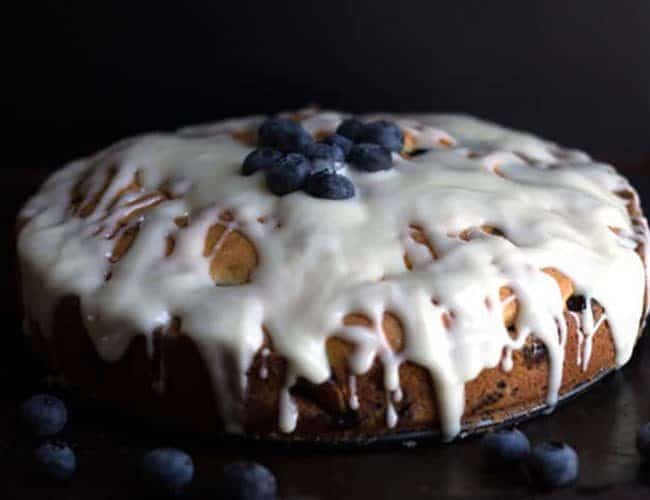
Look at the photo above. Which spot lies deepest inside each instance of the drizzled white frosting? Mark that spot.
(321, 260)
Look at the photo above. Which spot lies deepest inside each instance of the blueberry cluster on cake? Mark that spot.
(323, 277)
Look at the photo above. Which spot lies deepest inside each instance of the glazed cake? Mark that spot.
(482, 276)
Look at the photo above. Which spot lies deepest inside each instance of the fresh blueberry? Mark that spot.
(384, 133)
(283, 134)
(350, 128)
(329, 185)
(260, 159)
(643, 441)
(248, 481)
(55, 460)
(288, 174)
(505, 447)
(370, 157)
(576, 303)
(341, 141)
(321, 151)
(44, 415)
(552, 464)
(324, 156)
(167, 470)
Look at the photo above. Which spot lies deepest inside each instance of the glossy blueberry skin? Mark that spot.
(55, 460)
(576, 303)
(330, 186)
(248, 481)
(384, 133)
(553, 465)
(260, 159)
(44, 415)
(350, 128)
(505, 447)
(288, 174)
(283, 134)
(167, 470)
(341, 141)
(324, 156)
(643, 441)
(321, 151)
(370, 157)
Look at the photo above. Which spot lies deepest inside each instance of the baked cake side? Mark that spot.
(486, 273)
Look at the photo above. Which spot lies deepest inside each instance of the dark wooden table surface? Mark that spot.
(601, 424)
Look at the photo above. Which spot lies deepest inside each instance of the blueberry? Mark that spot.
(321, 151)
(370, 157)
(384, 133)
(350, 128)
(505, 447)
(260, 159)
(44, 415)
(167, 470)
(324, 156)
(341, 141)
(643, 441)
(288, 174)
(55, 460)
(552, 464)
(283, 134)
(329, 185)
(248, 481)
(576, 303)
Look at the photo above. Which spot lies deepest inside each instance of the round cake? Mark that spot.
(315, 276)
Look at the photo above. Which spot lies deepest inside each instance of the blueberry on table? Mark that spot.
(260, 159)
(329, 185)
(370, 157)
(283, 134)
(350, 128)
(55, 460)
(505, 447)
(288, 174)
(553, 464)
(167, 470)
(44, 415)
(643, 440)
(341, 141)
(248, 481)
(384, 133)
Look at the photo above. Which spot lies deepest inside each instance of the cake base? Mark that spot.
(156, 389)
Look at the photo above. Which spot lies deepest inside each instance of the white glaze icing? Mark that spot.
(391, 414)
(264, 370)
(354, 398)
(326, 259)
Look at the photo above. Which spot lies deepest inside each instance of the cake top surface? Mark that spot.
(493, 208)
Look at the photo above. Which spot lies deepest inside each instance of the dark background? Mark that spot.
(83, 74)
(86, 73)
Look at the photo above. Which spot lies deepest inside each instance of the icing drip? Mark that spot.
(391, 414)
(506, 361)
(354, 399)
(586, 329)
(319, 260)
(589, 342)
(288, 417)
(264, 371)
(581, 337)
